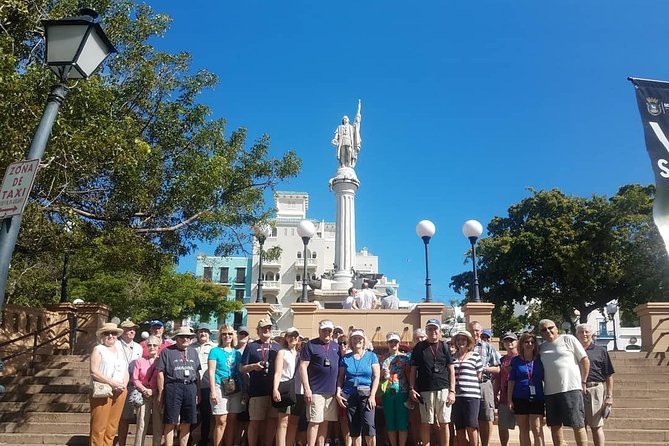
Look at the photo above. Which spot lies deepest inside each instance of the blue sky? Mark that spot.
(466, 105)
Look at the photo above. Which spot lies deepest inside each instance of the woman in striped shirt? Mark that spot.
(468, 368)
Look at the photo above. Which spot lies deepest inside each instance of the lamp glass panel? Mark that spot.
(94, 52)
(63, 42)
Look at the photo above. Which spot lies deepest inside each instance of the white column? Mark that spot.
(344, 185)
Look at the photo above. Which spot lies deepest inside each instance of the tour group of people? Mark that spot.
(326, 390)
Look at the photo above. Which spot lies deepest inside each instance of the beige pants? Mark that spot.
(149, 412)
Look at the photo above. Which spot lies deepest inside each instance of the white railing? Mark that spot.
(310, 263)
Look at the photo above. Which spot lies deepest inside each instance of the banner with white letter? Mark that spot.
(653, 100)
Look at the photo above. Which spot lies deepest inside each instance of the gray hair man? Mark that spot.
(566, 368)
(598, 397)
(490, 359)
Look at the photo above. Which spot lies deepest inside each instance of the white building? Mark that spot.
(282, 283)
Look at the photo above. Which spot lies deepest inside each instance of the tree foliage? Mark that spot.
(572, 253)
(135, 164)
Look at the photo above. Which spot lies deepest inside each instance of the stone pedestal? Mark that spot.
(90, 317)
(255, 312)
(430, 310)
(304, 318)
(654, 322)
(478, 311)
(344, 184)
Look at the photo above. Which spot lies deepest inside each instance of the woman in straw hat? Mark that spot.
(108, 366)
(468, 368)
(358, 381)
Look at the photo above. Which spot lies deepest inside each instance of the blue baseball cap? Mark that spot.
(433, 322)
(487, 332)
(156, 323)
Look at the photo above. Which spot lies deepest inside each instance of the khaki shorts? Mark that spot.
(322, 408)
(260, 408)
(593, 400)
(435, 404)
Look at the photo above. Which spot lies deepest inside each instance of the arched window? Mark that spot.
(299, 254)
(313, 255)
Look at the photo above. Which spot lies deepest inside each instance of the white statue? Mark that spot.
(347, 140)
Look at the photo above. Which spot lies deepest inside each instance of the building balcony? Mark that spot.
(275, 263)
(271, 285)
(311, 263)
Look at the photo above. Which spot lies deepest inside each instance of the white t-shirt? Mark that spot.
(348, 303)
(366, 299)
(561, 359)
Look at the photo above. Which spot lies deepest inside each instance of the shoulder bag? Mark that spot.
(101, 390)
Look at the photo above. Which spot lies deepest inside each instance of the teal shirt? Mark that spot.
(227, 364)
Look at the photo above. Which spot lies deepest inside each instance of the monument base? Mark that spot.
(333, 298)
(342, 281)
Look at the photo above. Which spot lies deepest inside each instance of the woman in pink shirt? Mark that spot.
(145, 379)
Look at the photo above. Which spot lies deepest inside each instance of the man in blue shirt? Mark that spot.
(319, 368)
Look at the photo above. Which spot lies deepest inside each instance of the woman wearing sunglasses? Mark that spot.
(145, 379)
(108, 366)
(226, 395)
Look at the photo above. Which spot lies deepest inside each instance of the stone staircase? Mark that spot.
(50, 407)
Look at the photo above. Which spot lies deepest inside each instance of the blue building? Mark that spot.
(233, 272)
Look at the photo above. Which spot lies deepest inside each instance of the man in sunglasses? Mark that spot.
(566, 367)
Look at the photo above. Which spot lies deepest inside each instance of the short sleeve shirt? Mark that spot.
(561, 364)
(489, 356)
(466, 376)
(600, 363)
(394, 369)
(503, 377)
(358, 372)
(227, 364)
(523, 373)
(179, 365)
(323, 366)
(432, 362)
(260, 381)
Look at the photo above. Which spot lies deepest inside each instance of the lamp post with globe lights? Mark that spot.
(261, 231)
(612, 309)
(75, 49)
(306, 230)
(472, 229)
(425, 230)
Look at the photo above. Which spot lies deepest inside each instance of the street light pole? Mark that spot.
(306, 230)
(425, 230)
(472, 229)
(75, 48)
(261, 231)
(612, 309)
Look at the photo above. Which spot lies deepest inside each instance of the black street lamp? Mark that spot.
(261, 232)
(306, 230)
(75, 49)
(425, 230)
(612, 309)
(472, 229)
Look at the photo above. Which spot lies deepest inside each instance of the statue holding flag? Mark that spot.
(347, 140)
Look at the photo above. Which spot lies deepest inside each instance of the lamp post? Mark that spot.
(67, 228)
(75, 48)
(306, 230)
(425, 230)
(612, 309)
(261, 232)
(472, 229)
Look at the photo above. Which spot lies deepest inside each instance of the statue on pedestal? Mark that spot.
(347, 140)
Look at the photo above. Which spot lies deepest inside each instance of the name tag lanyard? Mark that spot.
(184, 359)
(326, 361)
(530, 367)
(357, 364)
(434, 351)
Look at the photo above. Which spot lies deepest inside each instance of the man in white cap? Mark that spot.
(258, 361)
(319, 368)
(432, 382)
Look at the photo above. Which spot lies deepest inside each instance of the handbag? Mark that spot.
(136, 399)
(287, 392)
(101, 390)
(229, 386)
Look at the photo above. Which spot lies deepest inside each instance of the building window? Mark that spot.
(208, 270)
(241, 273)
(277, 277)
(239, 295)
(223, 277)
(299, 254)
(274, 231)
(298, 278)
(313, 255)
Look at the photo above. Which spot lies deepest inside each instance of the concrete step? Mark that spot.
(639, 413)
(40, 427)
(641, 369)
(60, 364)
(31, 389)
(636, 377)
(45, 417)
(635, 423)
(45, 439)
(619, 392)
(18, 406)
(57, 380)
(642, 403)
(77, 373)
(42, 398)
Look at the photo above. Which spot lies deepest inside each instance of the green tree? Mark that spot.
(571, 253)
(135, 163)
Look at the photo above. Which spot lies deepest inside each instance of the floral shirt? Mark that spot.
(393, 369)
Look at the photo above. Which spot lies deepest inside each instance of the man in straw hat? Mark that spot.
(432, 382)
(131, 352)
(178, 386)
